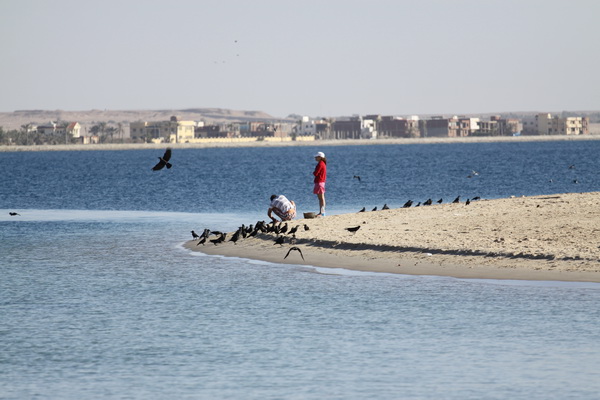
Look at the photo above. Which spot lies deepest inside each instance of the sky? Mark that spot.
(320, 58)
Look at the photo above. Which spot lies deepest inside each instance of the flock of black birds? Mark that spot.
(281, 229)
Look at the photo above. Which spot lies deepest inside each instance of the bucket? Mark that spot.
(309, 215)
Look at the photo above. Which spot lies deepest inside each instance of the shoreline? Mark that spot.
(341, 142)
(548, 238)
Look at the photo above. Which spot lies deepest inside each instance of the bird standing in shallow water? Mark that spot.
(164, 161)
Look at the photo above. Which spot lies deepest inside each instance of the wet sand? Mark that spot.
(555, 237)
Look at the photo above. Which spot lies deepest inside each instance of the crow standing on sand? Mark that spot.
(164, 161)
(296, 249)
(195, 235)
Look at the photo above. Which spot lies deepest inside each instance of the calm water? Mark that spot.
(99, 300)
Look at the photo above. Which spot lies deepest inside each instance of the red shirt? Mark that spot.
(320, 172)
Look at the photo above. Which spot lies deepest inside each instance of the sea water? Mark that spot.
(98, 298)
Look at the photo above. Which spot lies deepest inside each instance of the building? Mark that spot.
(172, 131)
(439, 127)
(546, 124)
(74, 129)
(397, 127)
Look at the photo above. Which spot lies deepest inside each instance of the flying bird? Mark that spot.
(164, 161)
(354, 229)
(296, 249)
(356, 177)
(13, 213)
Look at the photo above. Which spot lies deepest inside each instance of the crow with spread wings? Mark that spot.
(164, 161)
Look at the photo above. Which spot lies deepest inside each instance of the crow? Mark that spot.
(440, 201)
(363, 209)
(293, 230)
(284, 229)
(306, 228)
(220, 239)
(195, 235)
(385, 207)
(476, 198)
(236, 236)
(467, 202)
(13, 213)
(201, 241)
(428, 202)
(296, 249)
(375, 209)
(407, 204)
(353, 229)
(456, 200)
(164, 161)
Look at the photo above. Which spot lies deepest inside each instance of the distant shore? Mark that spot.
(316, 143)
(528, 238)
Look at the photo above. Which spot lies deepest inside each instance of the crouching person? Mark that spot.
(282, 208)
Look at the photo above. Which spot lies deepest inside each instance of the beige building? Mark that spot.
(172, 131)
(546, 124)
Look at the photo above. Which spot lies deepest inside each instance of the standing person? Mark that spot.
(320, 174)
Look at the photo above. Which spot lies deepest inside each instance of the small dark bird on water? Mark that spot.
(385, 207)
(354, 229)
(407, 204)
(164, 161)
(357, 177)
(195, 235)
(13, 213)
(295, 249)
(456, 200)
(280, 240)
(363, 209)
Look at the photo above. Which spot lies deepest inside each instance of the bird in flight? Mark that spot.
(164, 161)
(13, 213)
(357, 177)
(296, 249)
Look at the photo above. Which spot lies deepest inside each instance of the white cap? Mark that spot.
(320, 154)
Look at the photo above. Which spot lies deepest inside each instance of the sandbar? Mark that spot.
(549, 237)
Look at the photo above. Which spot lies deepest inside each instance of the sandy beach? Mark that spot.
(554, 237)
(320, 143)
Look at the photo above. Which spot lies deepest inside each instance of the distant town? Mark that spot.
(294, 128)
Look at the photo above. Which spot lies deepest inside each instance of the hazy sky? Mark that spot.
(317, 58)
